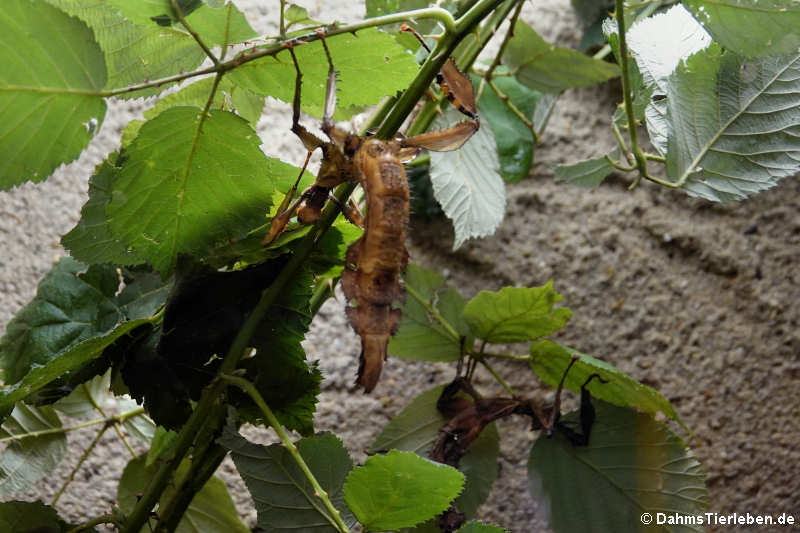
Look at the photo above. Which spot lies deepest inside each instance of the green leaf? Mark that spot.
(66, 311)
(370, 65)
(144, 293)
(134, 53)
(636, 463)
(26, 461)
(226, 25)
(228, 97)
(416, 428)
(283, 496)
(549, 360)
(750, 27)
(81, 402)
(64, 361)
(515, 145)
(188, 184)
(297, 15)
(480, 527)
(732, 123)
(91, 240)
(94, 399)
(400, 489)
(49, 108)
(161, 445)
(467, 183)
(588, 173)
(421, 335)
(516, 314)
(548, 68)
(211, 510)
(32, 517)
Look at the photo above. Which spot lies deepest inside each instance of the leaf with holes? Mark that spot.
(49, 80)
(188, 184)
(468, 184)
(634, 461)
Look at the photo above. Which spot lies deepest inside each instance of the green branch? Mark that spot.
(178, 12)
(335, 517)
(52, 431)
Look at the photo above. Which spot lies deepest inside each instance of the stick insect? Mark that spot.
(373, 264)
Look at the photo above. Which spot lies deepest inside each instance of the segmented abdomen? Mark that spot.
(371, 279)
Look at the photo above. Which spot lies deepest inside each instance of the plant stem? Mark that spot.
(512, 356)
(433, 312)
(116, 418)
(497, 376)
(176, 9)
(467, 58)
(105, 519)
(201, 470)
(509, 34)
(84, 456)
(638, 156)
(334, 516)
(282, 23)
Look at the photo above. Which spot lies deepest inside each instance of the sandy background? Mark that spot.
(698, 300)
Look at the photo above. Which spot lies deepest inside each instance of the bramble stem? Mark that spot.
(105, 519)
(335, 517)
(111, 419)
(179, 15)
(84, 456)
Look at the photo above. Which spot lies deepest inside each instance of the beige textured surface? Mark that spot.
(700, 301)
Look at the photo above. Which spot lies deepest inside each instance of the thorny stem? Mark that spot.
(179, 15)
(497, 376)
(509, 34)
(334, 516)
(514, 109)
(282, 24)
(111, 419)
(84, 456)
(638, 154)
(431, 310)
(116, 426)
(465, 61)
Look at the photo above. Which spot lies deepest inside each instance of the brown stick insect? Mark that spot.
(373, 265)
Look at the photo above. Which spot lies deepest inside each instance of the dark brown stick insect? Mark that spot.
(468, 418)
(373, 264)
